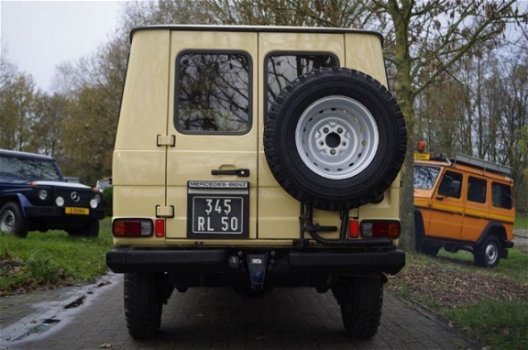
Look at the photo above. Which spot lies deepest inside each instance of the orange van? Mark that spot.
(463, 203)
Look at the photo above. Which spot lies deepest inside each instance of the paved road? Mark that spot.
(93, 318)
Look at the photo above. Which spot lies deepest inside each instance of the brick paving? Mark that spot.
(219, 319)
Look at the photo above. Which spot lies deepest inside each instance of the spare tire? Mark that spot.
(335, 139)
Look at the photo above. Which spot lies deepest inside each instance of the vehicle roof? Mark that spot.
(254, 29)
(25, 154)
(466, 168)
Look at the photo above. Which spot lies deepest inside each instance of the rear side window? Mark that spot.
(451, 184)
(476, 190)
(501, 196)
(283, 68)
(213, 93)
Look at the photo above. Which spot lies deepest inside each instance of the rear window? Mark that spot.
(28, 169)
(501, 195)
(213, 93)
(283, 68)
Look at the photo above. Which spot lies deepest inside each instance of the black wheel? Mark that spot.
(143, 304)
(488, 253)
(12, 221)
(335, 138)
(91, 229)
(361, 300)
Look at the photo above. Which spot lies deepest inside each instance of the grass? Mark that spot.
(52, 258)
(490, 305)
(521, 222)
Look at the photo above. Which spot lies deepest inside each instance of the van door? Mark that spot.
(477, 208)
(448, 207)
(278, 211)
(212, 168)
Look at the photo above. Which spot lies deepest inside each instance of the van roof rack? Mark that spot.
(482, 164)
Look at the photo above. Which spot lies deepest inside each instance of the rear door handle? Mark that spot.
(235, 172)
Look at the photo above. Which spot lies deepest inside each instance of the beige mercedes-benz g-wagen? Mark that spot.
(254, 158)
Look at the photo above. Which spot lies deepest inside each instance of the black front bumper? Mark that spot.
(292, 261)
(55, 212)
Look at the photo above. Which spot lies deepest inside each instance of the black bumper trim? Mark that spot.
(122, 260)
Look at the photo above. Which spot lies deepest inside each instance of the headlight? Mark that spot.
(43, 195)
(59, 201)
(94, 203)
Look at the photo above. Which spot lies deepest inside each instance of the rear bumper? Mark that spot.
(282, 261)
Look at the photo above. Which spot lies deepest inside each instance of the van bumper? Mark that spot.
(123, 260)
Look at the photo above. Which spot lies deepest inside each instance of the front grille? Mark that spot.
(84, 196)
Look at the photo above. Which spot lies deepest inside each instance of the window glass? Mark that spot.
(28, 169)
(283, 69)
(425, 177)
(451, 184)
(213, 92)
(501, 196)
(476, 190)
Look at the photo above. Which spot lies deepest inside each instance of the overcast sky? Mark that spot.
(39, 35)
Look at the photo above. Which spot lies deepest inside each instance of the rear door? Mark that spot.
(212, 167)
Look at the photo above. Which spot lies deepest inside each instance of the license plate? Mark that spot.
(422, 156)
(76, 211)
(218, 210)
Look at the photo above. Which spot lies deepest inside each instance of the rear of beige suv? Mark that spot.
(254, 158)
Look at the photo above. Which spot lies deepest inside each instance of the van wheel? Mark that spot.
(142, 305)
(12, 220)
(488, 253)
(335, 138)
(361, 300)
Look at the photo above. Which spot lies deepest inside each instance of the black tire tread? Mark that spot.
(273, 158)
(480, 252)
(142, 305)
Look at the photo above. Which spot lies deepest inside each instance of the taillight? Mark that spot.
(353, 229)
(159, 227)
(132, 228)
(380, 228)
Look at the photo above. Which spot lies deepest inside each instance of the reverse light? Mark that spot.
(380, 228)
(132, 228)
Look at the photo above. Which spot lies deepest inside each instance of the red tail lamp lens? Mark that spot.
(353, 229)
(159, 226)
(132, 228)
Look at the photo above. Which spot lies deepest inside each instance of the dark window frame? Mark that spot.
(249, 58)
(289, 53)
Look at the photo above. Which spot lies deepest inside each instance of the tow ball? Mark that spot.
(257, 264)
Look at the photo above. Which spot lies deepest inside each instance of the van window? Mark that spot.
(501, 195)
(213, 93)
(283, 68)
(476, 190)
(451, 184)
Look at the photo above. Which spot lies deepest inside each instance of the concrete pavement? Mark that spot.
(92, 318)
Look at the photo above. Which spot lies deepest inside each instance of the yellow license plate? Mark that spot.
(422, 156)
(77, 211)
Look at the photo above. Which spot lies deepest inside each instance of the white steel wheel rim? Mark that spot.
(337, 137)
(7, 223)
(491, 253)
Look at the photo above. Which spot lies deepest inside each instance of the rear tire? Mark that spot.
(143, 305)
(12, 221)
(361, 300)
(488, 253)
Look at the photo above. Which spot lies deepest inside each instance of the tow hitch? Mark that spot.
(257, 266)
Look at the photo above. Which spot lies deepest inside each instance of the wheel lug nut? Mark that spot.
(332, 151)
(339, 130)
(325, 130)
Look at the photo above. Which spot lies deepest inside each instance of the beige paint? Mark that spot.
(147, 111)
